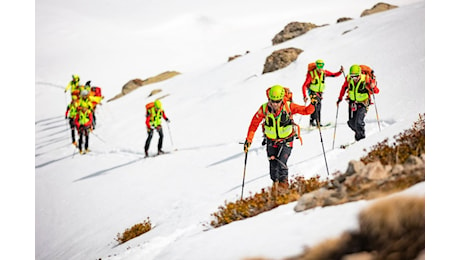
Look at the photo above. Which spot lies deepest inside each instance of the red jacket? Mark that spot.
(259, 116)
(87, 124)
(306, 84)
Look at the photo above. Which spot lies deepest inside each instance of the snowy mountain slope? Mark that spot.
(82, 202)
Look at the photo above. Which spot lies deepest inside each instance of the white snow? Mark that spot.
(82, 202)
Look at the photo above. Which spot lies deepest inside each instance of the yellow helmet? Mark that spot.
(276, 93)
(320, 64)
(157, 104)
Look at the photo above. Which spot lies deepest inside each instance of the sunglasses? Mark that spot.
(354, 76)
(275, 102)
(320, 65)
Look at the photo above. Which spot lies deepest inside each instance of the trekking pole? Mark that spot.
(322, 143)
(377, 113)
(335, 127)
(244, 173)
(170, 136)
(97, 137)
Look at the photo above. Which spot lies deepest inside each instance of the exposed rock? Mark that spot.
(131, 85)
(292, 30)
(314, 199)
(379, 7)
(136, 83)
(236, 56)
(344, 19)
(376, 171)
(354, 166)
(280, 59)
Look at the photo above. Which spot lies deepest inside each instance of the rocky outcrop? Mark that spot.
(136, 83)
(364, 182)
(292, 30)
(280, 59)
(379, 7)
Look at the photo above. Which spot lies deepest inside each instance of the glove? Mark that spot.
(247, 144)
(305, 99)
(167, 120)
(65, 117)
(152, 127)
(338, 101)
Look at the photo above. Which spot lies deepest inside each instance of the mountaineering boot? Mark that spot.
(146, 154)
(74, 143)
(160, 152)
(87, 150)
(81, 152)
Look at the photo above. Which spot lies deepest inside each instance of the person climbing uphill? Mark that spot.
(70, 114)
(360, 86)
(83, 121)
(279, 130)
(315, 84)
(154, 115)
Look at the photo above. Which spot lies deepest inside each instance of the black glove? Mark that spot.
(247, 144)
(313, 99)
(167, 120)
(338, 101)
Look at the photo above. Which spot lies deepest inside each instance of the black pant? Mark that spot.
(278, 155)
(356, 114)
(83, 132)
(316, 116)
(149, 138)
(72, 128)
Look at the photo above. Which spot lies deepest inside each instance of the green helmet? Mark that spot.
(276, 93)
(355, 69)
(157, 104)
(320, 64)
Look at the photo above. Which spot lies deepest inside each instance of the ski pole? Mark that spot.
(322, 143)
(244, 173)
(170, 136)
(97, 137)
(335, 127)
(377, 113)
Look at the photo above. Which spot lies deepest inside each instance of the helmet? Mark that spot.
(88, 83)
(84, 93)
(276, 93)
(157, 104)
(319, 64)
(355, 69)
(75, 77)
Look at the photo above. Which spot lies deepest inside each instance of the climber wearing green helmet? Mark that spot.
(315, 85)
(73, 85)
(153, 118)
(360, 86)
(279, 130)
